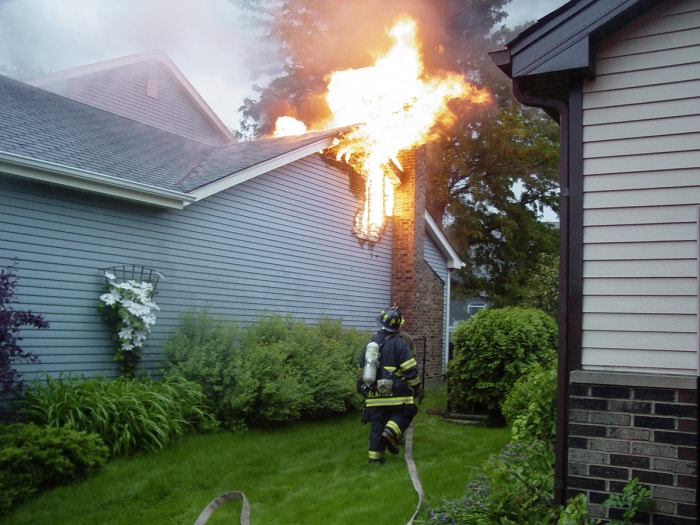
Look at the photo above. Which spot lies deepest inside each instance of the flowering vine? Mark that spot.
(129, 309)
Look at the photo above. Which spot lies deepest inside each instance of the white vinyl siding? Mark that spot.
(641, 194)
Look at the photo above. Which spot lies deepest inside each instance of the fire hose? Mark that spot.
(412, 472)
(245, 511)
(225, 498)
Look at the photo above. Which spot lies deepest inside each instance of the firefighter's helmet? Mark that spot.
(390, 319)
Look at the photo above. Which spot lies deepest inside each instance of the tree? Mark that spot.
(493, 172)
(11, 320)
(542, 287)
(492, 181)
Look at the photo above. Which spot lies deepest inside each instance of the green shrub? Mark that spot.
(34, 458)
(128, 414)
(515, 487)
(321, 360)
(267, 389)
(492, 350)
(276, 369)
(530, 408)
(202, 350)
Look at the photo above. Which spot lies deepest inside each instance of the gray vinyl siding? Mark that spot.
(433, 256)
(435, 259)
(280, 242)
(641, 194)
(123, 91)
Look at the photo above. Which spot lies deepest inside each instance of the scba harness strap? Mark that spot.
(389, 389)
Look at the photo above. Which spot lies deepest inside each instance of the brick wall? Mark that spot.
(620, 429)
(415, 287)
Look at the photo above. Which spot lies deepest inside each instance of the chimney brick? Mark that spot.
(415, 287)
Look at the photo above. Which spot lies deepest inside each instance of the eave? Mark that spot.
(83, 180)
(443, 244)
(260, 168)
(543, 58)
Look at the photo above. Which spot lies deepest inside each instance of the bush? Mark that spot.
(315, 368)
(202, 350)
(34, 458)
(128, 414)
(11, 320)
(530, 408)
(515, 487)
(275, 370)
(492, 350)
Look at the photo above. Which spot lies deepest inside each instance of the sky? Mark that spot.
(208, 40)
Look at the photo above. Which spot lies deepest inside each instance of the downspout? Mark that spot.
(563, 364)
(446, 345)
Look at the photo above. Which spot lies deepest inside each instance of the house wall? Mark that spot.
(281, 242)
(641, 118)
(624, 427)
(632, 409)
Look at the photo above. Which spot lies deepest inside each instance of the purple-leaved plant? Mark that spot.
(11, 320)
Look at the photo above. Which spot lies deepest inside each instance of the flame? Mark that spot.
(285, 126)
(394, 108)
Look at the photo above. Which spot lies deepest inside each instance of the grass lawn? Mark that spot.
(307, 473)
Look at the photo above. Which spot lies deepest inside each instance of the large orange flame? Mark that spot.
(395, 109)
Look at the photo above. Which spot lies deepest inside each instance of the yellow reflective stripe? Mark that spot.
(393, 425)
(408, 364)
(373, 454)
(390, 368)
(388, 401)
(413, 382)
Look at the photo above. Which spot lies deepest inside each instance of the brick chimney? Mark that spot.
(414, 285)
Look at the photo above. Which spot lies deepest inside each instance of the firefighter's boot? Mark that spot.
(392, 438)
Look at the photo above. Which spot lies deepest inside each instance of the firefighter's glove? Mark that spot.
(365, 417)
(418, 394)
(361, 387)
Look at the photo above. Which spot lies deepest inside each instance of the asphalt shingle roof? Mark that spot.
(40, 125)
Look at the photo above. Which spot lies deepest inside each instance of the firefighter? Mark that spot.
(390, 384)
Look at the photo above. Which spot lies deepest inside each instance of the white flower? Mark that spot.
(108, 298)
(137, 309)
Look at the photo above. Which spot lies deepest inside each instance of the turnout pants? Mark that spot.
(396, 418)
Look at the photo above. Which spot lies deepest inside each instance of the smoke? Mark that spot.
(216, 48)
(209, 41)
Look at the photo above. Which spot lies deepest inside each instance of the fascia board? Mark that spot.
(435, 233)
(83, 180)
(258, 169)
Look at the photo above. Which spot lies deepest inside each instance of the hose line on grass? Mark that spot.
(412, 472)
(224, 498)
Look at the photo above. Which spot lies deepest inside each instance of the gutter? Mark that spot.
(90, 181)
(448, 313)
(564, 363)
